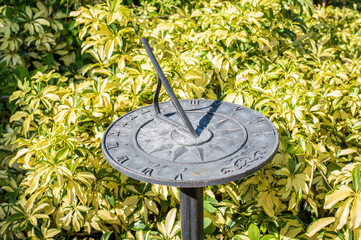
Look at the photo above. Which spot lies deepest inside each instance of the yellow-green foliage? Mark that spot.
(298, 67)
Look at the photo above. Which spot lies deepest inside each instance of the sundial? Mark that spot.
(189, 144)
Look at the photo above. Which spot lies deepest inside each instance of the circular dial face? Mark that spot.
(233, 141)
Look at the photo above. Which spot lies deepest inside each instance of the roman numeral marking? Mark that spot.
(112, 146)
(144, 111)
(147, 171)
(179, 177)
(121, 124)
(270, 132)
(238, 108)
(193, 102)
(116, 134)
(132, 117)
(257, 120)
(122, 159)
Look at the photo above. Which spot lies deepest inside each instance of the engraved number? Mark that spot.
(144, 111)
(132, 117)
(180, 175)
(226, 170)
(116, 134)
(122, 159)
(238, 108)
(259, 119)
(112, 146)
(240, 162)
(193, 102)
(121, 124)
(147, 171)
(269, 132)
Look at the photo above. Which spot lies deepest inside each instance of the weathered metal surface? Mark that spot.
(233, 142)
(191, 213)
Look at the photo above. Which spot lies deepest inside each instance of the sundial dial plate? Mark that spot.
(233, 142)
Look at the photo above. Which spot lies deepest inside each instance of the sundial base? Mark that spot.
(189, 144)
(191, 208)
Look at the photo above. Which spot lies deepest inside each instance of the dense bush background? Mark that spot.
(73, 67)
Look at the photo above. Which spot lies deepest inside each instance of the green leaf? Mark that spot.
(106, 235)
(337, 195)
(210, 200)
(268, 237)
(291, 165)
(23, 71)
(15, 216)
(208, 226)
(253, 232)
(209, 208)
(138, 226)
(12, 106)
(62, 153)
(318, 225)
(111, 200)
(357, 125)
(356, 178)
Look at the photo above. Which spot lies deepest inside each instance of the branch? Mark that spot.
(3, 97)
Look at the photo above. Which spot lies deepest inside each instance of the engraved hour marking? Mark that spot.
(226, 170)
(121, 124)
(180, 175)
(257, 120)
(193, 102)
(144, 111)
(122, 159)
(269, 132)
(240, 162)
(238, 108)
(266, 133)
(132, 117)
(116, 134)
(112, 146)
(147, 171)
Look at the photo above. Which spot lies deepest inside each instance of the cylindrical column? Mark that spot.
(191, 207)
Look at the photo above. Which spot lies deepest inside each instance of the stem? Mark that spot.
(324, 177)
(3, 97)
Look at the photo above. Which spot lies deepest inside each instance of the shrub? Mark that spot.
(298, 67)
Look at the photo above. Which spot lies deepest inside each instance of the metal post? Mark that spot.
(191, 207)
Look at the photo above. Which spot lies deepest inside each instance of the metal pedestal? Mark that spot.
(191, 207)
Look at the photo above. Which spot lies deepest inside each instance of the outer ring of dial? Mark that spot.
(189, 183)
